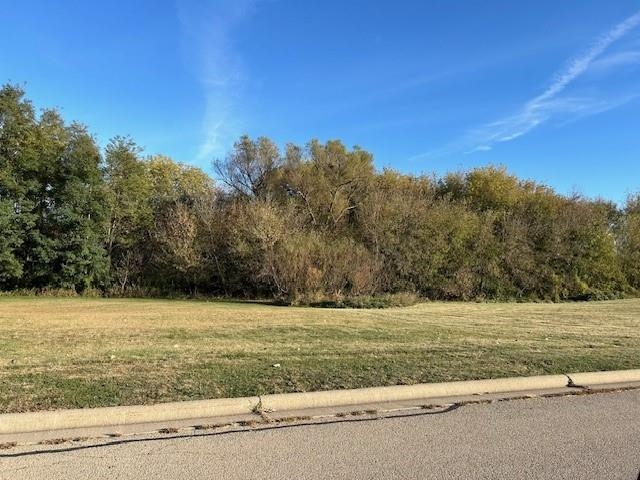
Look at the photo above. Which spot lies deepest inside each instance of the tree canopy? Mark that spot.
(305, 222)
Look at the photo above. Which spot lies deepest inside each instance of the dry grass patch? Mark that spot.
(77, 352)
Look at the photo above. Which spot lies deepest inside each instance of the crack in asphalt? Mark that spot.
(189, 431)
(265, 422)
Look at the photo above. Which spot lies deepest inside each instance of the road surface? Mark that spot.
(572, 437)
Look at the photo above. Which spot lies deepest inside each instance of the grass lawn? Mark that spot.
(63, 353)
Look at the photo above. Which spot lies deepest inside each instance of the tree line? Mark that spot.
(300, 224)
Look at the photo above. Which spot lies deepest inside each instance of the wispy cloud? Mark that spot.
(550, 102)
(541, 108)
(615, 60)
(207, 30)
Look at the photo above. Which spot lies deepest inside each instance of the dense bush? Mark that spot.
(314, 225)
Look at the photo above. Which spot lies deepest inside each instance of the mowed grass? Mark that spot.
(66, 353)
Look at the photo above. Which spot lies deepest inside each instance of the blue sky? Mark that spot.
(549, 89)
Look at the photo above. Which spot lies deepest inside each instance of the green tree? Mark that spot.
(172, 182)
(18, 182)
(50, 199)
(331, 185)
(181, 197)
(79, 215)
(129, 210)
(629, 241)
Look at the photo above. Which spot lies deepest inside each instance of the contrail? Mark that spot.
(579, 65)
(541, 108)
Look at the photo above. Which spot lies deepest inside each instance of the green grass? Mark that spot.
(80, 352)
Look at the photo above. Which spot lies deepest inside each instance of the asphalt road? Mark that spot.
(572, 437)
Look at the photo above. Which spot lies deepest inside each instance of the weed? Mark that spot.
(168, 430)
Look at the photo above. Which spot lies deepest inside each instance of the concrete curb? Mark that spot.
(16, 423)
(600, 378)
(335, 398)
(13, 423)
